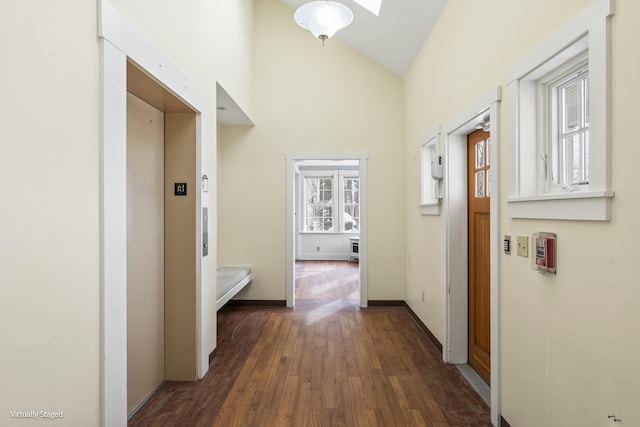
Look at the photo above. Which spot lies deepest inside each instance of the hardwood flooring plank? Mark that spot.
(284, 415)
(324, 363)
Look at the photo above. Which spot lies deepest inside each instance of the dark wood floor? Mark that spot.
(326, 363)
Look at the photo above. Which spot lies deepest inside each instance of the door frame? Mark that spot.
(119, 42)
(291, 159)
(455, 346)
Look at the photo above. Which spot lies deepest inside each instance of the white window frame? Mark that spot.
(553, 146)
(430, 193)
(345, 174)
(530, 195)
(337, 176)
(303, 217)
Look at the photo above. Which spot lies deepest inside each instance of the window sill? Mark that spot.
(583, 206)
(430, 208)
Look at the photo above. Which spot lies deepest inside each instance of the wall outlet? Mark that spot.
(317, 248)
(523, 246)
(422, 296)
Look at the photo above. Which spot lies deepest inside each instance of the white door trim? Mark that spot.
(291, 159)
(120, 41)
(455, 346)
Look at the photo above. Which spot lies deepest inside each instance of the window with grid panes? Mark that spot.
(570, 130)
(351, 203)
(318, 196)
(559, 123)
(482, 175)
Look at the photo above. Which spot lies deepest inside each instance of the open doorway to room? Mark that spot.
(327, 229)
(326, 210)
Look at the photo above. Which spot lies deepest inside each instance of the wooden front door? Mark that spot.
(479, 191)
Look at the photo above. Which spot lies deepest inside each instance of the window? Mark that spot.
(482, 171)
(318, 196)
(429, 187)
(564, 111)
(331, 201)
(569, 138)
(351, 211)
(559, 141)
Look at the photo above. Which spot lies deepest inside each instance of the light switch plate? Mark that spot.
(506, 244)
(522, 243)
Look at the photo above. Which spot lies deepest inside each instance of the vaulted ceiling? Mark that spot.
(394, 37)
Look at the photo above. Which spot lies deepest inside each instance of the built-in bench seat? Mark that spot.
(231, 280)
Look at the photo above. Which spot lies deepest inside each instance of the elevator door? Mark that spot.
(145, 250)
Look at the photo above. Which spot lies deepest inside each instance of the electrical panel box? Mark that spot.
(437, 167)
(545, 250)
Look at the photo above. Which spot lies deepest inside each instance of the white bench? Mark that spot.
(231, 280)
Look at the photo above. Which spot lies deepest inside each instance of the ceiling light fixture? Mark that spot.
(323, 18)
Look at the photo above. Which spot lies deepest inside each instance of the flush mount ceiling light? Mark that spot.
(323, 18)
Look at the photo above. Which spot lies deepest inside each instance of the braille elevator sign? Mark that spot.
(180, 189)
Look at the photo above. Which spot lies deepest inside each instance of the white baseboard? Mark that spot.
(323, 257)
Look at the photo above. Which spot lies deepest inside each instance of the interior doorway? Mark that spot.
(326, 213)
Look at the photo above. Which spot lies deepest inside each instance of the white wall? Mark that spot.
(232, 25)
(310, 99)
(49, 211)
(209, 40)
(569, 342)
(324, 246)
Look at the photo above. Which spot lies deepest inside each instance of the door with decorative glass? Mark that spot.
(479, 193)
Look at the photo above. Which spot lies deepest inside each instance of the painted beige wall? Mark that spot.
(310, 99)
(49, 214)
(233, 44)
(180, 248)
(569, 342)
(208, 40)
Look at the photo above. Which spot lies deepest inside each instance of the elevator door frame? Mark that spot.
(120, 42)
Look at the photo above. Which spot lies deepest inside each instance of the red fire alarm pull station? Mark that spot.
(544, 259)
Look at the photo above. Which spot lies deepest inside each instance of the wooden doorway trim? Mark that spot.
(455, 345)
